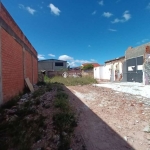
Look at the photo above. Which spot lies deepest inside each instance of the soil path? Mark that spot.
(110, 120)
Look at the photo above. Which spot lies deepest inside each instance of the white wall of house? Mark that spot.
(116, 66)
(102, 72)
(96, 71)
(107, 72)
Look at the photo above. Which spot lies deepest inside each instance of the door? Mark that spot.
(135, 69)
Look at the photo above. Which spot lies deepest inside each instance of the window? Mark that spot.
(58, 63)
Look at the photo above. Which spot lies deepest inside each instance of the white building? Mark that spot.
(111, 71)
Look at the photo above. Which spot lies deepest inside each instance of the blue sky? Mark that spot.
(81, 31)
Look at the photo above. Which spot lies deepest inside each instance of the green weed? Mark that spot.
(38, 92)
(71, 81)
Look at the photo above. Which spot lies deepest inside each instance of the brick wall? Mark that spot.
(28, 65)
(18, 57)
(12, 68)
(35, 69)
(10, 21)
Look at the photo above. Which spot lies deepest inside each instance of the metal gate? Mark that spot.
(135, 69)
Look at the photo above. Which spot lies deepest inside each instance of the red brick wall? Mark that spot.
(10, 21)
(28, 65)
(12, 66)
(14, 61)
(35, 70)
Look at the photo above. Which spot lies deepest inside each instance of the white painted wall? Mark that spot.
(119, 67)
(96, 71)
(107, 72)
(102, 72)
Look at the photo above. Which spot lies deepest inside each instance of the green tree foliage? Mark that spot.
(88, 67)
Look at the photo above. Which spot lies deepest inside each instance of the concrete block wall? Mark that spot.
(49, 65)
(18, 58)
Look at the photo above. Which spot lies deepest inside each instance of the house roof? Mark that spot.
(52, 60)
(115, 59)
(94, 64)
(132, 52)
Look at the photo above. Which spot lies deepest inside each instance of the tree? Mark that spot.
(88, 67)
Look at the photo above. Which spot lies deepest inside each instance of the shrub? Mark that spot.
(88, 67)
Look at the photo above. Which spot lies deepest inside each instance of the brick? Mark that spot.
(14, 61)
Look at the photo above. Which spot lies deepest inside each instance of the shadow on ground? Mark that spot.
(96, 133)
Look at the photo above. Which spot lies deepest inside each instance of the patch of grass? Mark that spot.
(61, 101)
(38, 92)
(61, 95)
(22, 129)
(49, 87)
(41, 83)
(71, 81)
(65, 121)
(64, 143)
(62, 104)
(46, 79)
(37, 101)
(10, 103)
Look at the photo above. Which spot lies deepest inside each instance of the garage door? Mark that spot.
(135, 69)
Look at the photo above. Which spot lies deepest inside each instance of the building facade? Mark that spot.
(111, 71)
(18, 58)
(138, 64)
(52, 65)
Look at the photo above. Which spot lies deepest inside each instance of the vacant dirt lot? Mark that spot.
(111, 120)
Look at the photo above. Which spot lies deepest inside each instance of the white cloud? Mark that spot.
(40, 56)
(125, 17)
(65, 57)
(93, 60)
(21, 6)
(148, 6)
(142, 41)
(107, 14)
(51, 55)
(116, 20)
(54, 9)
(101, 3)
(73, 62)
(113, 30)
(29, 9)
(81, 61)
(94, 12)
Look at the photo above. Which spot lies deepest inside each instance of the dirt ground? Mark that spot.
(110, 120)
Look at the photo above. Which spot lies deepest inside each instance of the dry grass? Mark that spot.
(71, 81)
